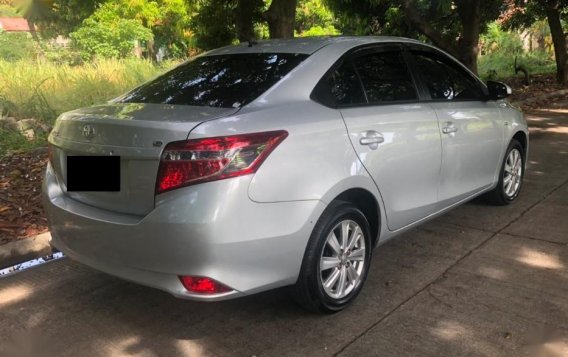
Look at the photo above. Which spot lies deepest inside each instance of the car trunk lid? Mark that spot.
(137, 133)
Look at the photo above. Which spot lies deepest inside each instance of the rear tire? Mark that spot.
(336, 261)
(510, 176)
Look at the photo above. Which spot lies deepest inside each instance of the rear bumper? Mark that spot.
(212, 230)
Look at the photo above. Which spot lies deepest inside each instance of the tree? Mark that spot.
(553, 9)
(452, 25)
(247, 13)
(280, 17)
(106, 34)
(313, 18)
(473, 17)
(33, 11)
(523, 13)
(212, 23)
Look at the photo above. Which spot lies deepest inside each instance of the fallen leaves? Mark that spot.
(540, 85)
(21, 212)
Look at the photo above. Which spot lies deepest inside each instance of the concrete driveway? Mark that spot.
(480, 280)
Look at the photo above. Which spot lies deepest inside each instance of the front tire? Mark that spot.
(336, 261)
(510, 177)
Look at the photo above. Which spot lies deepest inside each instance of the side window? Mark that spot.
(385, 77)
(446, 80)
(342, 87)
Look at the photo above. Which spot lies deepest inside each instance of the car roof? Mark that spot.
(305, 45)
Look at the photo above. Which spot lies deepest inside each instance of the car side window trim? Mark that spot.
(361, 51)
(410, 48)
(361, 85)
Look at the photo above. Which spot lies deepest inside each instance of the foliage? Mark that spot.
(497, 40)
(320, 31)
(523, 14)
(16, 46)
(43, 91)
(106, 34)
(313, 18)
(67, 16)
(35, 10)
(212, 23)
(500, 64)
(8, 11)
(168, 20)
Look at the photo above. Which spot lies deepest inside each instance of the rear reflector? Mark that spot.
(201, 285)
(189, 162)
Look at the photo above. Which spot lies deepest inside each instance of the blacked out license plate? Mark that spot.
(93, 173)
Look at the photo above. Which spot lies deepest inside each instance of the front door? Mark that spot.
(395, 136)
(471, 127)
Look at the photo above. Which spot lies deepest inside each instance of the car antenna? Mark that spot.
(252, 42)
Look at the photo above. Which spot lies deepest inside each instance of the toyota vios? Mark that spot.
(278, 163)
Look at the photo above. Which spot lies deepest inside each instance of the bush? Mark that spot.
(495, 40)
(13, 141)
(107, 35)
(16, 46)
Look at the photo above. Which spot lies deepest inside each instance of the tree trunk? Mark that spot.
(559, 40)
(244, 19)
(35, 37)
(468, 44)
(281, 16)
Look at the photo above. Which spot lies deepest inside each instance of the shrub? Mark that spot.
(16, 46)
(105, 34)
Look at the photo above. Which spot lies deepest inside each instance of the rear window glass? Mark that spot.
(224, 81)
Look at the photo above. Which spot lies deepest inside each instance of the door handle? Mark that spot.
(372, 139)
(449, 128)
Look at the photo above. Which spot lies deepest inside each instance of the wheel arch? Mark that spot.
(368, 204)
(522, 138)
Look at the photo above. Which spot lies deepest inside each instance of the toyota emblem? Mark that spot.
(89, 131)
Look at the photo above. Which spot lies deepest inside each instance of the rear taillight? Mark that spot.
(189, 162)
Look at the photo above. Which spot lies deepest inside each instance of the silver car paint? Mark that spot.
(132, 132)
(250, 232)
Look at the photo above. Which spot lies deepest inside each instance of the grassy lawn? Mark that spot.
(44, 90)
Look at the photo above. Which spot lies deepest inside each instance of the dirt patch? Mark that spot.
(21, 212)
(540, 85)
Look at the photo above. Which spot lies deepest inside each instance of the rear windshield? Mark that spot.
(225, 81)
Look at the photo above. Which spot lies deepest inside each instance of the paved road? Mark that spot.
(480, 280)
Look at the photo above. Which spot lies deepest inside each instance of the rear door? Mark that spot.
(471, 126)
(395, 136)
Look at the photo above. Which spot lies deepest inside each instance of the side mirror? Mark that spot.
(498, 90)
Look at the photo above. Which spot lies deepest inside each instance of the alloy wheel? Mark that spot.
(342, 260)
(513, 173)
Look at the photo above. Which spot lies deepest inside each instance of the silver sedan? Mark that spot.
(278, 163)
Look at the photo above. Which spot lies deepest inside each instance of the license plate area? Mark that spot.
(93, 173)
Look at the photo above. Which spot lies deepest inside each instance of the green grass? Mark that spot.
(14, 141)
(45, 90)
(501, 65)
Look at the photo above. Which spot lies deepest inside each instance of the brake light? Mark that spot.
(202, 285)
(189, 162)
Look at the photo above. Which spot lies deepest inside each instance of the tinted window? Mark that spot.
(342, 87)
(446, 80)
(217, 81)
(385, 77)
